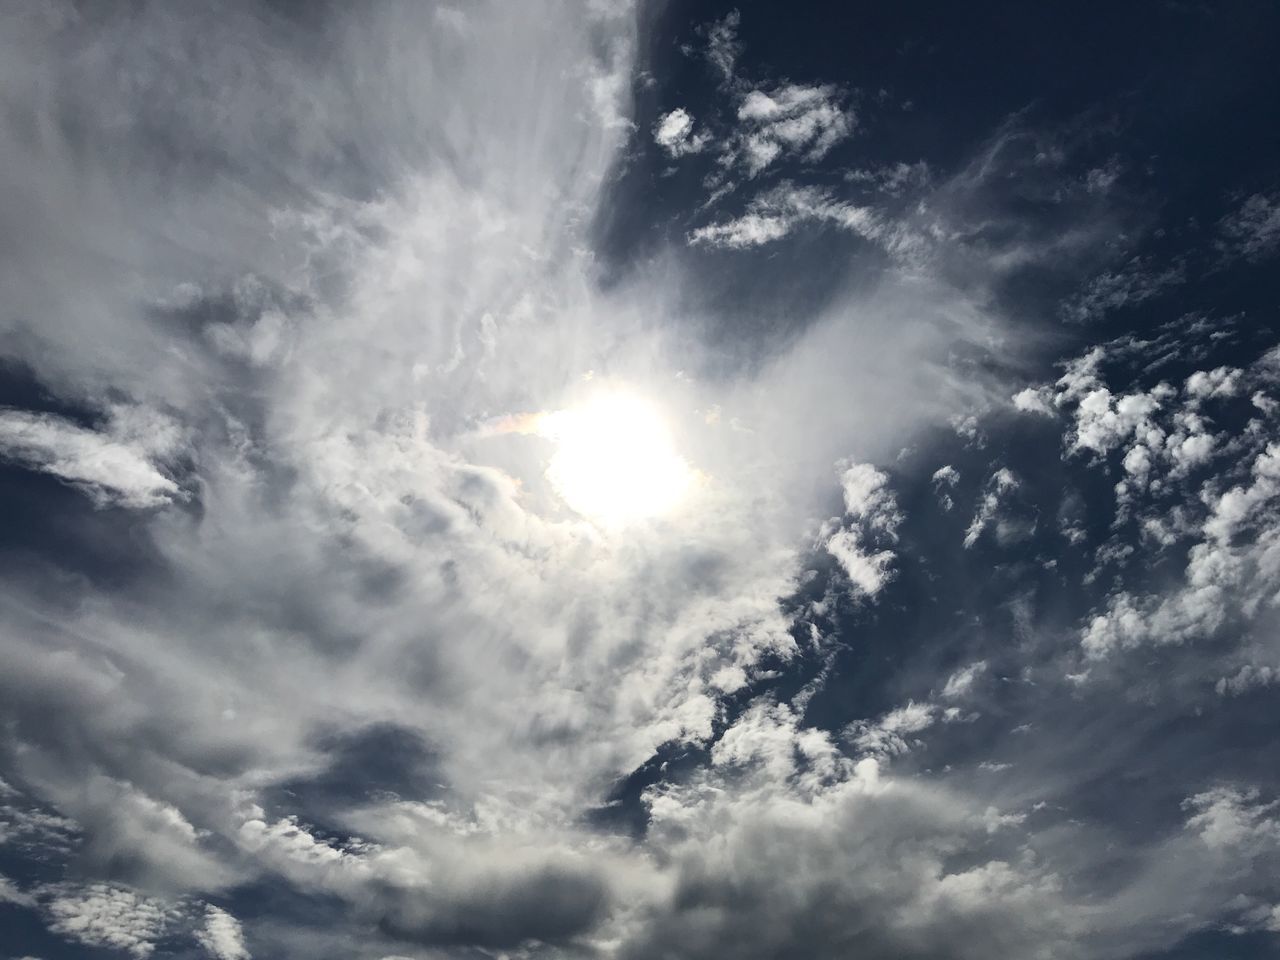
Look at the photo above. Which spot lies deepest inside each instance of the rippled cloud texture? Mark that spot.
(577, 479)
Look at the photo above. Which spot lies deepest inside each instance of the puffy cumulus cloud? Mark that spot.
(123, 464)
(1033, 400)
(221, 936)
(873, 521)
(1229, 817)
(101, 915)
(868, 499)
(1213, 384)
(1252, 230)
(787, 847)
(675, 134)
(1229, 574)
(789, 120)
(439, 878)
(1248, 677)
(890, 735)
(1184, 482)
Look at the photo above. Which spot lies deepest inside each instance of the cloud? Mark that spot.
(11, 893)
(1032, 400)
(873, 519)
(674, 133)
(766, 124)
(945, 478)
(326, 325)
(221, 937)
(723, 47)
(888, 736)
(894, 179)
(1227, 574)
(961, 682)
(883, 888)
(1252, 231)
(1181, 483)
(1133, 283)
(999, 486)
(101, 915)
(1248, 677)
(386, 670)
(790, 120)
(1231, 817)
(118, 466)
(777, 212)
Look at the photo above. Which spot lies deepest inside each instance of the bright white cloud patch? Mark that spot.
(101, 915)
(674, 133)
(791, 119)
(221, 936)
(115, 466)
(874, 518)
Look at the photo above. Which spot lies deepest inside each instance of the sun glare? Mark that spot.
(615, 460)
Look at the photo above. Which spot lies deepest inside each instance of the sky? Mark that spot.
(614, 480)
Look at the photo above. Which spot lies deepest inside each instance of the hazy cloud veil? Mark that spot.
(586, 479)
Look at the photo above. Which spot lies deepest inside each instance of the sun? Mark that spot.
(615, 460)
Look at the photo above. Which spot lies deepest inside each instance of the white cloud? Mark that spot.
(791, 119)
(221, 936)
(1226, 575)
(101, 915)
(365, 556)
(874, 519)
(1175, 485)
(119, 465)
(1034, 400)
(1218, 382)
(674, 133)
(751, 230)
(960, 683)
(891, 734)
(777, 212)
(945, 478)
(1231, 817)
(1248, 677)
(999, 486)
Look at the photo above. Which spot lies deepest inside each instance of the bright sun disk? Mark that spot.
(615, 460)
